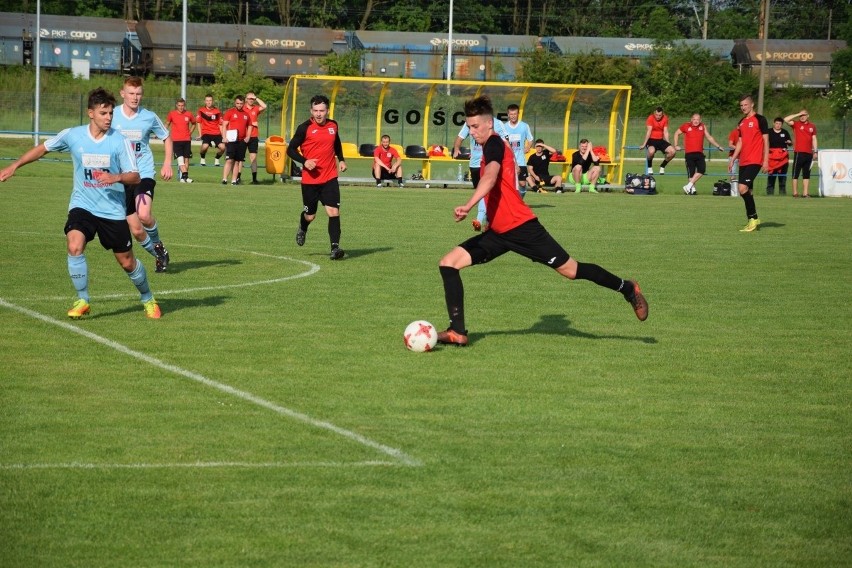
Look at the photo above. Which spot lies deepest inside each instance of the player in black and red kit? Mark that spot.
(657, 138)
(513, 227)
(316, 146)
(753, 152)
(235, 131)
(210, 121)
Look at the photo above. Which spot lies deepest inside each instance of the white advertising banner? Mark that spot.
(835, 173)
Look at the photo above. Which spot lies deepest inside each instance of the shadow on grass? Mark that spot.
(182, 266)
(771, 225)
(167, 306)
(557, 324)
(539, 205)
(355, 253)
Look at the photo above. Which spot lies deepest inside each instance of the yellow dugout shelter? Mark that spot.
(418, 113)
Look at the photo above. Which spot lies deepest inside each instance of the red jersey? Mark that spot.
(503, 204)
(693, 137)
(386, 156)
(733, 138)
(803, 137)
(253, 113)
(657, 126)
(751, 130)
(312, 141)
(210, 120)
(180, 125)
(238, 120)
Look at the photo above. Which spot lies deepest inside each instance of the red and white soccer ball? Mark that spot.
(420, 336)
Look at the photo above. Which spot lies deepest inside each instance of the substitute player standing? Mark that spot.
(752, 150)
(694, 132)
(317, 148)
(210, 120)
(104, 162)
(657, 138)
(235, 131)
(181, 122)
(804, 149)
(254, 106)
(514, 228)
(137, 124)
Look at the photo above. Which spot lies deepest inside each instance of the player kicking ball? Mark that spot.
(513, 227)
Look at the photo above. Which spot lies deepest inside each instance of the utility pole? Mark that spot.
(706, 13)
(764, 34)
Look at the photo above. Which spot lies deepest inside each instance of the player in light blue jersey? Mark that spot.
(104, 163)
(475, 162)
(520, 140)
(137, 124)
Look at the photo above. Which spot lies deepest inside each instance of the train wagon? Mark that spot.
(632, 48)
(421, 55)
(99, 44)
(804, 62)
(278, 52)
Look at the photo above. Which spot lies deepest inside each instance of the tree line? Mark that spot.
(658, 19)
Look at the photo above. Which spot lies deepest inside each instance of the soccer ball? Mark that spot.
(427, 186)
(420, 336)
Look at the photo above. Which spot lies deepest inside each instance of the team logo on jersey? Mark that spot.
(134, 135)
(331, 131)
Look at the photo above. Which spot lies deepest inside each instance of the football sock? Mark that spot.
(334, 229)
(751, 208)
(577, 187)
(303, 223)
(140, 279)
(598, 275)
(148, 245)
(454, 296)
(154, 233)
(254, 176)
(78, 269)
(649, 162)
(664, 162)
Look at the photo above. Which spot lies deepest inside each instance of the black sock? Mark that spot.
(334, 230)
(203, 155)
(751, 208)
(254, 176)
(600, 276)
(454, 296)
(664, 162)
(649, 161)
(303, 223)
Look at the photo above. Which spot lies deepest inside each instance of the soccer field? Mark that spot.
(272, 417)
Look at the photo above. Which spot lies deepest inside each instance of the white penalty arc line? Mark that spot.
(399, 455)
(195, 465)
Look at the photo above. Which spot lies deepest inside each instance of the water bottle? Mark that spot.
(460, 176)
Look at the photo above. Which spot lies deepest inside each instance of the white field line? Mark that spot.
(194, 465)
(398, 455)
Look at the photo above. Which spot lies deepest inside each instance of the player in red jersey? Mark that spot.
(235, 130)
(254, 106)
(182, 125)
(210, 121)
(316, 146)
(804, 149)
(513, 227)
(657, 138)
(387, 163)
(752, 150)
(694, 132)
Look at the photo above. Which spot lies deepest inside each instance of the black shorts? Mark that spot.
(695, 163)
(327, 193)
(182, 149)
(113, 235)
(748, 174)
(658, 143)
(211, 139)
(132, 193)
(236, 150)
(802, 162)
(384, 174)
(530, 240)
(523, 173)
(252, 145)
(474, 176)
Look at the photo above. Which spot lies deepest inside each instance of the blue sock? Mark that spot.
(140, 279)
(78, 269)
(149, 246)
(153, 233)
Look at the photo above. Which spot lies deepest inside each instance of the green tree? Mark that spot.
(240, 78)
(347, 64)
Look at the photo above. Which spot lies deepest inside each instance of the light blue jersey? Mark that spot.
(111, 153)
(517, 135)
(476, 149)
(138, 129)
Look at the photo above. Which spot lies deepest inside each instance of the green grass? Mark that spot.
(717, 433)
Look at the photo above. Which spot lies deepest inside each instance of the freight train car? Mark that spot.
(632, 48)
(278, 52)
(96, 44)
(420, 55)
(804, 62)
